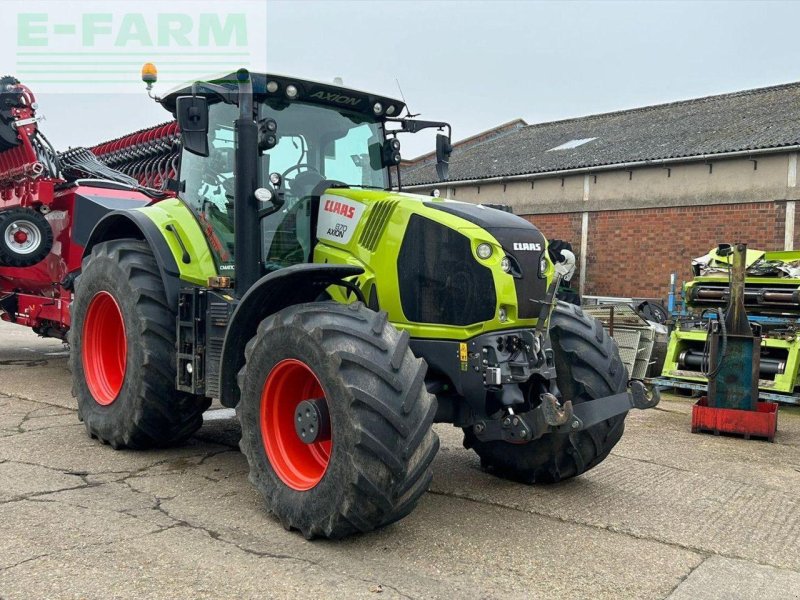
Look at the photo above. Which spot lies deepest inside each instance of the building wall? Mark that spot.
(646, 223)
(633, 252)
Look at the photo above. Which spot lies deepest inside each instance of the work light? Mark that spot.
(484, 251)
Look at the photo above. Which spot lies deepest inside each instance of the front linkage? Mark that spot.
(553, 417)
(518, 357)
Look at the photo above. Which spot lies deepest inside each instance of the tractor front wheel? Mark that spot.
(588, 366)
(336, 420)
(123, 351)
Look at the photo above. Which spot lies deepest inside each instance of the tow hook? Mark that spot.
(640, 398)
(556, 414)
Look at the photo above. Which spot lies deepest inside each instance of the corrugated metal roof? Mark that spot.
(748, 120)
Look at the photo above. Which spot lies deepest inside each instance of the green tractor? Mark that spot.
(341, 318)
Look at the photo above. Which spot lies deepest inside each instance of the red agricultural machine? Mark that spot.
(258, 250)
(50, 202)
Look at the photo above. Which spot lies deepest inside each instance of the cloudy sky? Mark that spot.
(478, 64)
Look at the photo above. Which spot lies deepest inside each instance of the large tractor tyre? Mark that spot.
(25, 237)
(336, 420)
(588, 366)
(123, 352)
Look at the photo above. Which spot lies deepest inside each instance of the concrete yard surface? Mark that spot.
(668, 515)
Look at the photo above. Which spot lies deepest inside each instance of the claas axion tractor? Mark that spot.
(259, 249)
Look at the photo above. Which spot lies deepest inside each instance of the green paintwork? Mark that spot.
(380, 264)
(176, 213)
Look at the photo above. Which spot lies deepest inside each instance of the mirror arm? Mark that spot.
(227, 95)
(265, 212)
(414, 125)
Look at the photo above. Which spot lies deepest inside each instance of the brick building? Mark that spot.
(641, 192)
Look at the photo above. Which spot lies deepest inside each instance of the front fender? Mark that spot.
(297, 284)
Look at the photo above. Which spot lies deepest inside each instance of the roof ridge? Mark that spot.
(638, 109)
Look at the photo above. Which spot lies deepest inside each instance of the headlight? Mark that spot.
(291, 92)
(502, 315)
(543, 266)
(505, 264)
(483, 251)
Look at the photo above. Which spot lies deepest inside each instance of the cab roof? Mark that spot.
(308, 91)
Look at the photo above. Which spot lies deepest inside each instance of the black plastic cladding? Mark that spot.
(440, 280)
(309, 91)
(509, 229)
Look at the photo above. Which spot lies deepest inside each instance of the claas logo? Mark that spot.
(339, 208)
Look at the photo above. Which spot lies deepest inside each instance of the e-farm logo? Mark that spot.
(171, 30)
(100, 46)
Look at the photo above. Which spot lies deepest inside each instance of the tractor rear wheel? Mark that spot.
(588, 366)
(123, 351)
(336, 420)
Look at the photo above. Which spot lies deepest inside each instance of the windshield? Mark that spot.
(324, 142)
(315, 143)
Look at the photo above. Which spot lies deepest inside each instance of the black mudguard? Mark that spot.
(297, 284)
(134, 224)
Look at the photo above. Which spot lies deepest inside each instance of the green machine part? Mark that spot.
(183, 234)
(682, 341)
(779, 346)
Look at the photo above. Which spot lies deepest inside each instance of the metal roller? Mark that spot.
(694, 359)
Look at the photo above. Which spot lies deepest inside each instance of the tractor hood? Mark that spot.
(440, 262)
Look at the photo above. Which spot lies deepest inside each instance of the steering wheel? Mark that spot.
(303, 183)
(299, 166)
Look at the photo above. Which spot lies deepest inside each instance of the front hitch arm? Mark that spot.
(588, 414)
(553, 417)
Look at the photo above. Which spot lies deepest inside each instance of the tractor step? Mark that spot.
(759, 423)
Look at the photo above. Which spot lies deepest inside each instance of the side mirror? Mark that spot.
(192, 113)
(443, 151)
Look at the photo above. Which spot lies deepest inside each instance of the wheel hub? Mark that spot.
(104, 348)
(299, 455)
(311, 421)
(23, 237)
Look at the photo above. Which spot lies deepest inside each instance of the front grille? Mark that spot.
(440, 280)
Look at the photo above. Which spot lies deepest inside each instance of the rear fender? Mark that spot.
(273, 292)
(135, 224)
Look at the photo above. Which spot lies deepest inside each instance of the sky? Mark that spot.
(478, 64)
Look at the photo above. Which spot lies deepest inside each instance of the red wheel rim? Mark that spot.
(300, 466)
(105, 348)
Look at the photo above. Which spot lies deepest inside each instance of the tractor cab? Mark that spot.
(311, 137)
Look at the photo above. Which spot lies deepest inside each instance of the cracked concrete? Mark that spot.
(669, 514)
